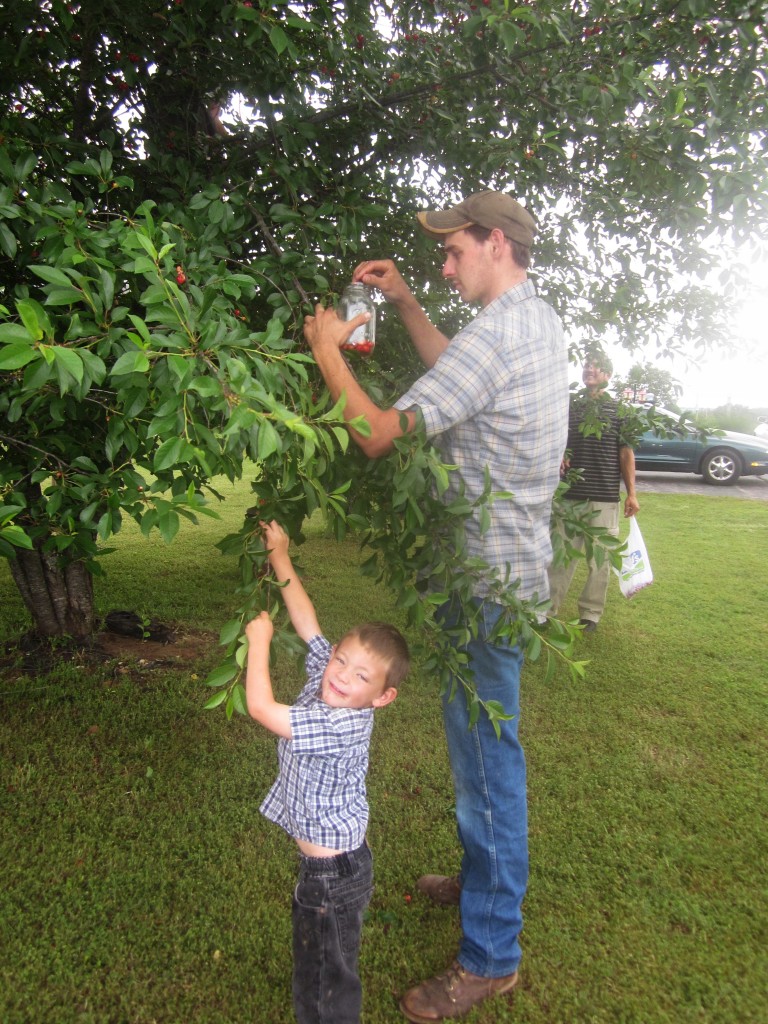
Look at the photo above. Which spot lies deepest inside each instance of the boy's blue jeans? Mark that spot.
(489, 779)
(331, 897)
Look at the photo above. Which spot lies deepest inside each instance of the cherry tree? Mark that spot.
(180, 181)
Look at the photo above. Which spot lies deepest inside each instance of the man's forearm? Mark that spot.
(384, 423)
(627, 467)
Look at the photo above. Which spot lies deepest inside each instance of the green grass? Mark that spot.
(140, 884)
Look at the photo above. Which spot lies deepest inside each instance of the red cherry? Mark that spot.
(363, 348)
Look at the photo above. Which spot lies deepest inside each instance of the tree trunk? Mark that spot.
(57, 594)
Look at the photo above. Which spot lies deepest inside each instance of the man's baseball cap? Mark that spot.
(487, 209)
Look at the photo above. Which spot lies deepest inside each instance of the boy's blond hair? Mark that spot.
(387, 643)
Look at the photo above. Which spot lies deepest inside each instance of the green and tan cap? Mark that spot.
(487, 209)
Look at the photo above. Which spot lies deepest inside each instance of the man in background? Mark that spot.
(603, 456)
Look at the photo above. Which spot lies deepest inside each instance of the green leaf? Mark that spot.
(15, 535)
(239, 699)
(168, 524)
(268, 440)
(8, 242)
(142, 328)
(107, 288)
(70, 360)
(29, 312)
(241, 654)
(63, 296)
(229, 632)
(146, 244)
(208, 387)
(14, 332)
(342, 436)
(25, 165)
(222, 674)
(52, 275)
(170, 453)
(278, 38)
(130, 362)
(199, 201)
(12, 357)
(215, 700)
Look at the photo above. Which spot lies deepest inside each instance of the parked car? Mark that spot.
(721, 460)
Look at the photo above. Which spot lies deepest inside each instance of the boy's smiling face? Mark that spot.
(355, 678)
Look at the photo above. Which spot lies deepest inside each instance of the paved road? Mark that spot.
(754, 487)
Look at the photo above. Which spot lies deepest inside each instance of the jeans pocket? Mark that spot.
(350, 903)
(312, 892)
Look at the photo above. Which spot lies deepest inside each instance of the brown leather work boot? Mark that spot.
(442, 889)
(451, 994)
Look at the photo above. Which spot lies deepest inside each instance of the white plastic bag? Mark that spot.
(635, 572)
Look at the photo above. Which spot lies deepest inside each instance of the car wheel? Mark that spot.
(721, 467)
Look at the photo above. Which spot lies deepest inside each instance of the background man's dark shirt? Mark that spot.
(596, 456)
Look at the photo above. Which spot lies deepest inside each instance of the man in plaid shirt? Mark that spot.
(319, 797)
(494, 399)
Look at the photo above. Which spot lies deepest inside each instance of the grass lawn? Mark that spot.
(140, 885)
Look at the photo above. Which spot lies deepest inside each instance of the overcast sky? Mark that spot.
(715, 378)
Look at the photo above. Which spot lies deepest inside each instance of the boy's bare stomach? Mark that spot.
(312, 850)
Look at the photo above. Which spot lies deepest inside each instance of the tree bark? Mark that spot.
(57, 594)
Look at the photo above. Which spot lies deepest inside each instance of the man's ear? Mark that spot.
(386, 698)
(497, 239)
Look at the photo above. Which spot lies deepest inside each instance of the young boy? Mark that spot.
(319, 797)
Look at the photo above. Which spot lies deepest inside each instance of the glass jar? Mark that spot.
(357, 299)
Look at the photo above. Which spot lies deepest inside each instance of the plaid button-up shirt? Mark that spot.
(319, 795)
(498, 397)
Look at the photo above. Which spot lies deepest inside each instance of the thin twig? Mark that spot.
(275, 248)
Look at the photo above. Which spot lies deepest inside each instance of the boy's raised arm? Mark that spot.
(258, 685)
(297, 600)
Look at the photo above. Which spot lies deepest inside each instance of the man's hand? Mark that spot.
(384, 275)
(428, 341)
(260, 630)
(631, 506)
(325, 330)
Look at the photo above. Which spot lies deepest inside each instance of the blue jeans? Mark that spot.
(491, 807)
(331, 897)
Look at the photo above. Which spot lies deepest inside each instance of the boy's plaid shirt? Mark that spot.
(319, 795)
